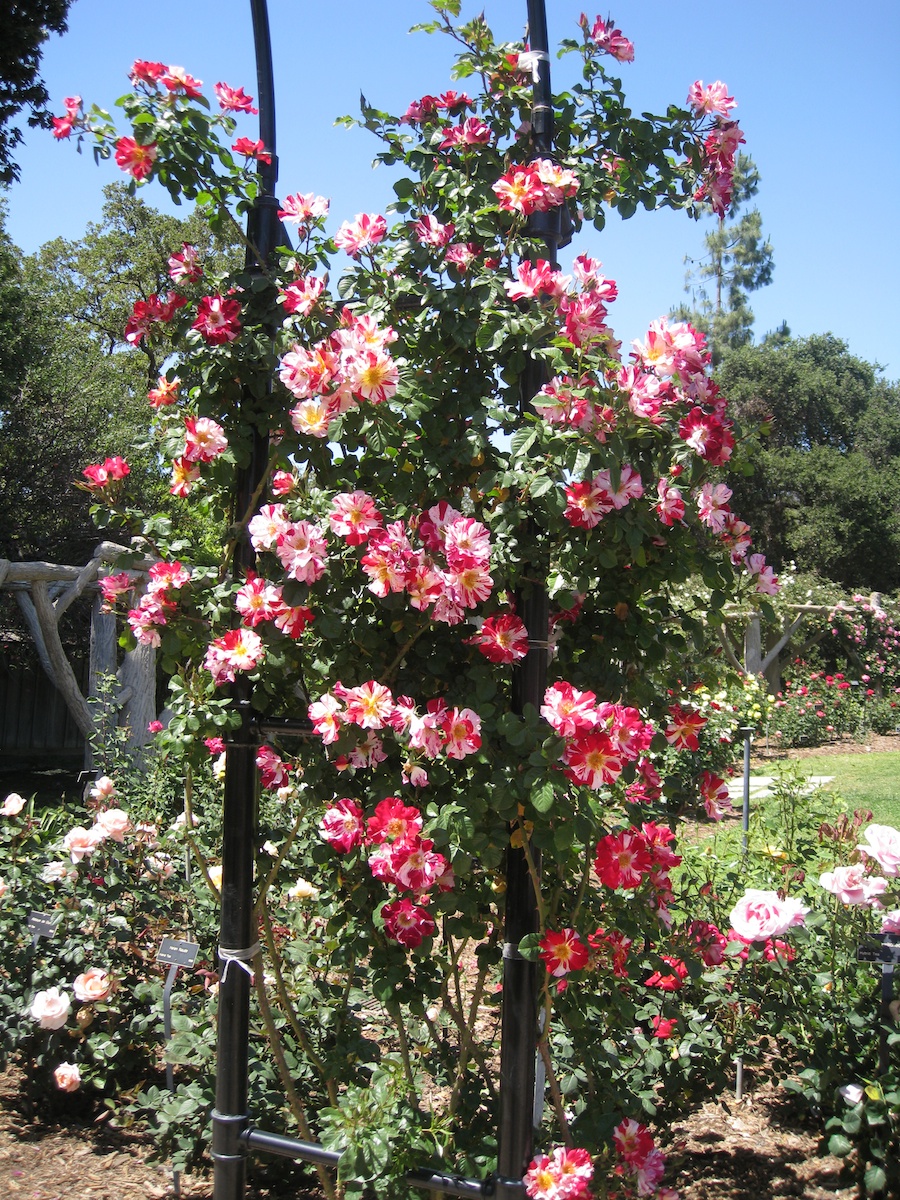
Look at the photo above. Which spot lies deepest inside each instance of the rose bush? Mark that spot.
(451, 430)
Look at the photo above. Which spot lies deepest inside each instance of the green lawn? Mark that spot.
(862, 780)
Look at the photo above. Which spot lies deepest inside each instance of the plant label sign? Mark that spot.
(177, 953)
(880, 948)
(43, 924)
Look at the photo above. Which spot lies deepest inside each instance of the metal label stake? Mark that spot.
(174, 953)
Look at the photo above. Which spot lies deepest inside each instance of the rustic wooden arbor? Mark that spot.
(44, 592)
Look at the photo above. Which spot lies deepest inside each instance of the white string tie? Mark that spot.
(243, 958)
(530, 60)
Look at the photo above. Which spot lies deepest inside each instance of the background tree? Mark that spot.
(26, 25)
(824, 489)
(69, 396)
(738, 260)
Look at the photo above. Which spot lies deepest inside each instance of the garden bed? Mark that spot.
(846, 744)
(724, 1150)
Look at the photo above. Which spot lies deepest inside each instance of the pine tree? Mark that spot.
(738, 260)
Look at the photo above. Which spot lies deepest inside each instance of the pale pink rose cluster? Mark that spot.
(67, 1077)
(111, 823)
(760, 915)
(51, 1008)
(12, 805)
(103, 789)
(57, 872)
(93, 985)
(854, 885)
(882, 842)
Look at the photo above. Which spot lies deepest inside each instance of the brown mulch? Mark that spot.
(753, 1149)
(68, 1151)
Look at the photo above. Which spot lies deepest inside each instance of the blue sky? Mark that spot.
(816, 81)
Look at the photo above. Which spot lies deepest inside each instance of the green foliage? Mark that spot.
(26, 26)
(68, 395)
(823, 491)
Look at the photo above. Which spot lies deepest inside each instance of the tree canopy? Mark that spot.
(824, 491)
(69, 396)
(26, 25)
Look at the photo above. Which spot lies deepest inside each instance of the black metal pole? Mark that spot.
(519, 1021)
(237, 932)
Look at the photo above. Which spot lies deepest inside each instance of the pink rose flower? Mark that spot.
(81, 842)
(114, 823)
(883, 844)
(93, 984)
(51, 1008)
(159, 864)
(12, 805)
(852, 885)
(68, 1077)
(103, 789)
(759, 915)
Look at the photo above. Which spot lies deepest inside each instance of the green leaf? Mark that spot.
(529, 946)
(542, 797)
(522, 440)
(875, 1179)
(839, 1146)
(541, 484)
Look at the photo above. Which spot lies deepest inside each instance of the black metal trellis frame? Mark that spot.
(233, 1134)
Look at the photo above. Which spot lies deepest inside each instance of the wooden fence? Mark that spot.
(35, 721)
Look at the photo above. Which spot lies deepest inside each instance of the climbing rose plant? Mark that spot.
(419, 485)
